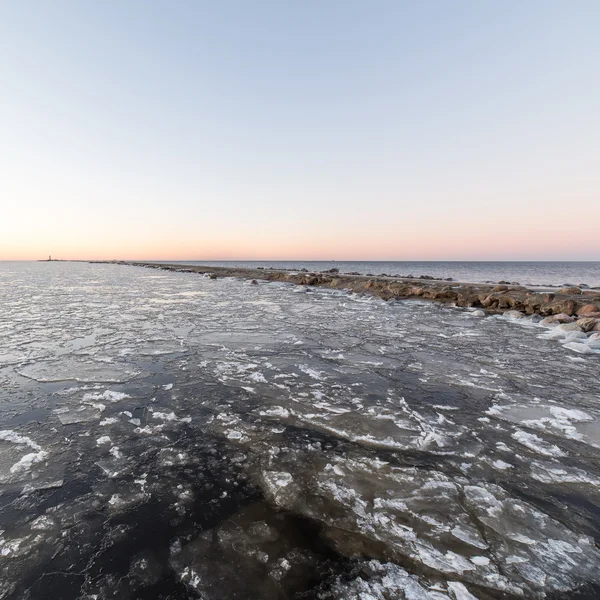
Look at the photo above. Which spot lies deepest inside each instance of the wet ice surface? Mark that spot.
(165, 435)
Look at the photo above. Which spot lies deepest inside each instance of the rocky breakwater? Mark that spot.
(583, 306)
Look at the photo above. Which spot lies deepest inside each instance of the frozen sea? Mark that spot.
(168, 436)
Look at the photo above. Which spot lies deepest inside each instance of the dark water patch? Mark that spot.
(35, 415)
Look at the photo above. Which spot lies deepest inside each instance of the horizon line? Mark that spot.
(323, 260)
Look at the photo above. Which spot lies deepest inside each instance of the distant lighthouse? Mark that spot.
(49, 257)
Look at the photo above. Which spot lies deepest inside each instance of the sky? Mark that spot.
(329, 129)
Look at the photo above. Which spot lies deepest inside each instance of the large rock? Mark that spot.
(556, 319)
(565, 306)
(563, 318)
(488, 301)
(534, 303)
(507, 302)
(570, 290)
(446, 294)
(587, 323)
(587, 310)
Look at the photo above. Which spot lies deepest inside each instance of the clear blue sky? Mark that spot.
(346, 129)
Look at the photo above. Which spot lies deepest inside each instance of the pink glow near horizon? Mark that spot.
(477, 242)
(363, 134)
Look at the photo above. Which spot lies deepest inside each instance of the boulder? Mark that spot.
(587, 323)
(467, 297)
(563, 318)
(500, 288)
(488, 301)
(445, 294)
(536, 302)
(548, 322)
(588, 309)
(506, 302)
(570, 290)
(478, 313)
(566, 306)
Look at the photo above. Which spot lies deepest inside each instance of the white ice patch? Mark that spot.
(501, 465)
(257, 377)
(557, 474)
(170, 417)
(43, 523)
(536, 444)
(387, 581)
(7, 435)
(458, 591)
(114, 451)
(558, 420)
(276, 481)
(27, 461)
(108, 395)
(313, 373)
(275, 411)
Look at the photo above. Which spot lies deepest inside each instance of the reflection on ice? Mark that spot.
(77, 370)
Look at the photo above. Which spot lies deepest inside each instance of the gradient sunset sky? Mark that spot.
(346, 130)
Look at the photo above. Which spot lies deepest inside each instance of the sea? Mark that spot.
(538, 274)
(168, 436)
